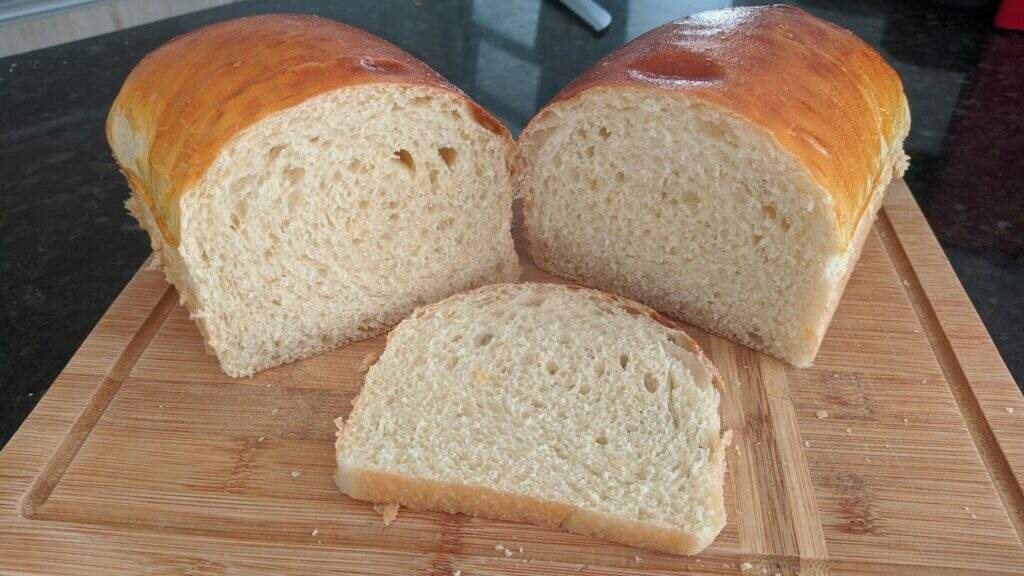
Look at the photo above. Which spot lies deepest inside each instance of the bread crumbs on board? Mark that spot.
(387, 511)
(368, 361)
(821, 414)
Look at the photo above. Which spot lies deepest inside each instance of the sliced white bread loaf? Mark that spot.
(548, 404)
(724, 169)
(307, 184)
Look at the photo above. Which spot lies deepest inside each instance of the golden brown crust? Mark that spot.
(826, 97)
(183, 102)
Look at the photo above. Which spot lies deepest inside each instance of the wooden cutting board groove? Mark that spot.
(984, 438)
(144, 458)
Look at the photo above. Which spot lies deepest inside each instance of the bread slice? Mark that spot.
(724, 169)
(547, 404)
(308, 184)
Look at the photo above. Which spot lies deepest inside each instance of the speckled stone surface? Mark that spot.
(67, 246)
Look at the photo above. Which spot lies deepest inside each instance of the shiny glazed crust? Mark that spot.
(825, 96)
(420, 494)
(183, 102)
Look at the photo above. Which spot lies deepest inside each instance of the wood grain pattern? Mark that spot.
(894, 454)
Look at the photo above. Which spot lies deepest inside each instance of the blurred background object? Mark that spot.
(32, 24)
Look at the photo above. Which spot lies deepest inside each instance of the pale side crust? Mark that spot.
(385, 487)
(418, 494)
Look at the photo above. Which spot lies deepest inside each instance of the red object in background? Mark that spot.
(1010, 15)
(977, 201)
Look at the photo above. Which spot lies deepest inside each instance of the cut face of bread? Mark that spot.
(331, 220)
(546, 404)
(688, 208)
(724, 168)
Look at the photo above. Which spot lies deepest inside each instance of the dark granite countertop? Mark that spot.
(67, 246)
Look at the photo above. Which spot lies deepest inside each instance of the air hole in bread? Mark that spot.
(241, 184)
(294, 175)
(538, 404)
(650, 383)
(552, 367)
(483, 339)
(564, 339)
(673, 382)
(448, 155)
(599, 369)
(689, 198)
(363, 204)
(784, 224)
(354, 166)
(769, 211)
(235, 222)
(241, 207)
(433, 180)
(422, 101)
(453, 362)
(445, 224)
(581, 133)
(602, 440)
(604, 133)
(624, 361)
(584, 389)
(756, 238)
(274, 152)
(620, 177)
(532, 301)
(314, 139)
(405, 158)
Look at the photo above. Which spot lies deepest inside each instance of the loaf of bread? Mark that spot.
(548, 404)
(306, 183)
(724, 169)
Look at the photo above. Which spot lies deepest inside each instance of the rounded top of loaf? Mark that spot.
(823, 94)
(186, 99)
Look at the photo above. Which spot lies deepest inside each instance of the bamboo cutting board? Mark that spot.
(900, 452)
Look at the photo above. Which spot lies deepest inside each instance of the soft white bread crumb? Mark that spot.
(330, 221)
(547, 404)
(686, 207)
